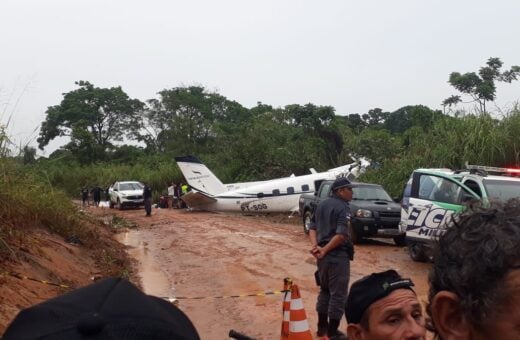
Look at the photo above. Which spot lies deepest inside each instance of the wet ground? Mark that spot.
(203, 256)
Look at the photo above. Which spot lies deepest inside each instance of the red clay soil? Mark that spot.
(178, 253)
(44, 256)
(201, 254)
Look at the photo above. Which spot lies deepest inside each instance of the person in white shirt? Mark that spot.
(171, 194)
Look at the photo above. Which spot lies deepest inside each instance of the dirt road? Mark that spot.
(201, 254)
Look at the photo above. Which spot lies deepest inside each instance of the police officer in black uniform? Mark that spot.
(147, 195)
(332, 247)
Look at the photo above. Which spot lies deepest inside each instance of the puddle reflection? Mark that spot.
(154, 281)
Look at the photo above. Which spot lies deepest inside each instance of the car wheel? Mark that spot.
(354, 237)
(417, 252)
(119, 205)
(307, 221)
(400, 240)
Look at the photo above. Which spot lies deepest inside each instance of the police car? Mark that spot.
(432, 196)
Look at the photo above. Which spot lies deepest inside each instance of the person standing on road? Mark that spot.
(184, 191)
(96, 193)
(147, 195)
(178, 193)
(84, 196)
(332, 247)
(171, 194)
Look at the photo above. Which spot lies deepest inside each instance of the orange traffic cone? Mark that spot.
(294, 325)
(286, 308)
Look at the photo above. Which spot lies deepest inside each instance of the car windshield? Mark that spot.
(502, 190)
(130, 186)
(370, 193)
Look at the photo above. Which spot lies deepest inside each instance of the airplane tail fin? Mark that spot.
(198, 175)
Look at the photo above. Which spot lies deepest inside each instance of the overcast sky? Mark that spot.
(352, 55)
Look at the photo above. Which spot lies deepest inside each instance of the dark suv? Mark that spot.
(374, 213)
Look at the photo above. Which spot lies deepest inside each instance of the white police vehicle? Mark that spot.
(432, 196)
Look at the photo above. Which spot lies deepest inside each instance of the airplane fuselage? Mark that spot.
(279, 195)
(276, 195)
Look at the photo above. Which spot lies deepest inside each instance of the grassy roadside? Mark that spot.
(27, 202)
(30, 204)
(46, 237)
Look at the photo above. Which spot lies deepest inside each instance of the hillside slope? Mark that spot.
(43, 256)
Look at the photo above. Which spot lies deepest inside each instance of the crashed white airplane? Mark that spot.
(276, 195)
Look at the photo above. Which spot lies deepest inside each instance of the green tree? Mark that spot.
(184, 120)
(375, 117)
(377, 144)
(152, 126)
(319, 122)
(309, 116)
(481, 87)
(127, 154)
(413, 115)
(28, 155)
(355, 122)
(93, 117)
(263, 148)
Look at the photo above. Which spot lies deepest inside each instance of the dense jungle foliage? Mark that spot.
(114, 137)
(267, 142)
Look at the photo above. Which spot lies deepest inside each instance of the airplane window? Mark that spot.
(276, 192)
(290, 190)
(305, 187)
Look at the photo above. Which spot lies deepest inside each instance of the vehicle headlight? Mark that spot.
(123, 195)
(363, 213)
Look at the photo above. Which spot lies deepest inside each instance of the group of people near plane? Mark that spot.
(175, 191)
(474, 281)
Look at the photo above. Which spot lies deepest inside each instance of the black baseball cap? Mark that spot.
(110, 309)
(341, 182)
(371, 288)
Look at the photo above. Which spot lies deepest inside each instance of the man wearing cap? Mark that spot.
(384, 306)
(333, 249)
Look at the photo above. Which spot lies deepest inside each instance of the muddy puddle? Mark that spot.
(154, 281)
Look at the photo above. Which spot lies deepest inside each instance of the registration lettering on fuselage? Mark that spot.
(253, 206)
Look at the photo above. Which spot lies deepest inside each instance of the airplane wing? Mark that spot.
(352, 170)
(196, 199)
